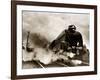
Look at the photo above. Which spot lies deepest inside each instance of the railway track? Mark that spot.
(38, 64)
(54, 64)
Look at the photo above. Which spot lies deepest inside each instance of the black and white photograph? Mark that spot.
(53, 39)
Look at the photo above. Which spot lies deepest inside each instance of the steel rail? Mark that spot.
(40, 64)
(62, 64)
(85, 63)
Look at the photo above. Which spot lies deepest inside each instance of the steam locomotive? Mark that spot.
(69, 55)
